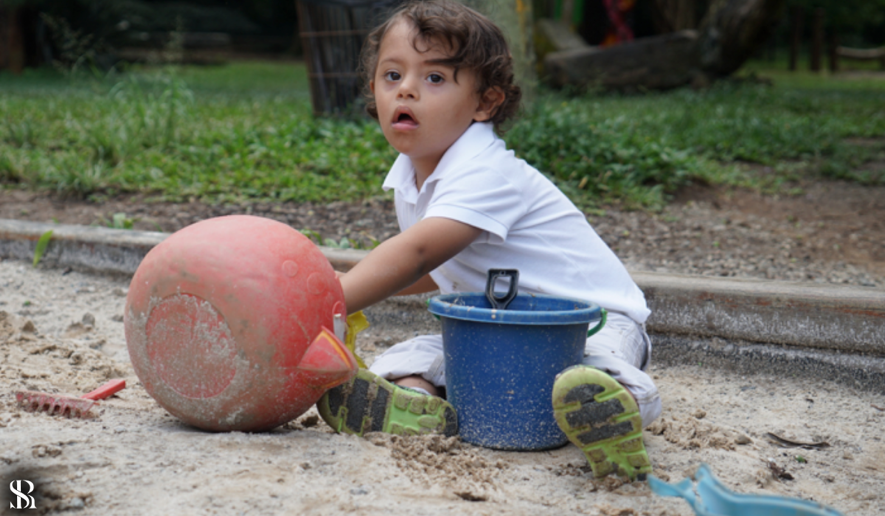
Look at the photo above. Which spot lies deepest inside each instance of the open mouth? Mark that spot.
(404, 119)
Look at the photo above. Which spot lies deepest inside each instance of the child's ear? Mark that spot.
(489, 102)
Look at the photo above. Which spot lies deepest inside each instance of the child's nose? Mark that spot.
(408, 88)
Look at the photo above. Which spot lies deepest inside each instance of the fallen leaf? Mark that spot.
(787, 443)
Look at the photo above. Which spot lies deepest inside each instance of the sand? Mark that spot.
(63, 332)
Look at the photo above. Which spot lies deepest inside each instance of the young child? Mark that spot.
(440, 79)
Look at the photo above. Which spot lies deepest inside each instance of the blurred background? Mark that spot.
(628, 102)
(40, 32)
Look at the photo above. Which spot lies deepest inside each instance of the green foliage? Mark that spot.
(210, 133)
(146, 116)
(636, 149)
(147, 132)
(76, 50)
(20, 133)
(119, 221)
(40, 249)
(314, 236)
(593, 157)
(344, 243)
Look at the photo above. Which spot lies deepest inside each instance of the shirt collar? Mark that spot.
(475, 139)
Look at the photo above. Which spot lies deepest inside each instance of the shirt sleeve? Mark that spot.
(481, 197)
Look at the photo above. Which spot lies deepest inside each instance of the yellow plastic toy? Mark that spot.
(356, 322)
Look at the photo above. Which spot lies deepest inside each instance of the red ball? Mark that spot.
(229, 324)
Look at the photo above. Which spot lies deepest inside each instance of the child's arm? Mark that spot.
(404, 259)
(425, 284)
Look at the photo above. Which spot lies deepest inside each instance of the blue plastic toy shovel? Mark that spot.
(714, 499)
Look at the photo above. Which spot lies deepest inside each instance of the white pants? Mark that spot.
(621, 348)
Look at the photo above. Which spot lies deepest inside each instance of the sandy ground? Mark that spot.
(63, 332)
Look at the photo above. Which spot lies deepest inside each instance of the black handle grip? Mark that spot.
(504, 301)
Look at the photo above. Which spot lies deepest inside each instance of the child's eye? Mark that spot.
(435, 78)
(392, 76)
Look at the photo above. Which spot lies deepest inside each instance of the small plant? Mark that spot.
(313, 236)
(173, 50)
(118, 221)
(77, 51)
(318, 239)
(344, 243)
(148, 115)
(9, 171)
(121, 221)
(21, 134)
(42, 243)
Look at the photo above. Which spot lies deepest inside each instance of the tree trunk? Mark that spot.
(12, 48)
(729, 34)
(658, 62)
(732, 30)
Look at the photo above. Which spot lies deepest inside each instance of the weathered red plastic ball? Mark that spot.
(219, 316)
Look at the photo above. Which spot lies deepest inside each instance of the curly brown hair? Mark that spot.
(476, 44)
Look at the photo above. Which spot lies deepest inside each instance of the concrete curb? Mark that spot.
(748, 358)
(826, 317)
(81, 247)
(104, 250)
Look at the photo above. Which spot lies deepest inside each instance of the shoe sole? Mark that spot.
(602, 419)
(369, 403)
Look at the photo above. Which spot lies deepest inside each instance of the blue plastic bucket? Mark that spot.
(501, 363)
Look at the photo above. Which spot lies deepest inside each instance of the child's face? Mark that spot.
(421, 109)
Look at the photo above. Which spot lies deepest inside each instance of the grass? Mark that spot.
(244, 132)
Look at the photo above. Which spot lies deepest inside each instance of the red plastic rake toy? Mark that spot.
(70, 406)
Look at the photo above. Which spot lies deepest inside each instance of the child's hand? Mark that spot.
(339, 274)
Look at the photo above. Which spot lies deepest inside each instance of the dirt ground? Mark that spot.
(63, 332)
(832, 232)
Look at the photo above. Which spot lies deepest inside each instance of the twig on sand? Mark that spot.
(787, 443)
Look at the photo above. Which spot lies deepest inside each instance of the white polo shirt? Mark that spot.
(528, 224)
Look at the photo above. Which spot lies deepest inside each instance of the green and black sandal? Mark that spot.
(369, 403)
(602, 419)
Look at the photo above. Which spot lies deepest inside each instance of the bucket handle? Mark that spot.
(501, 302)
(594, 330)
